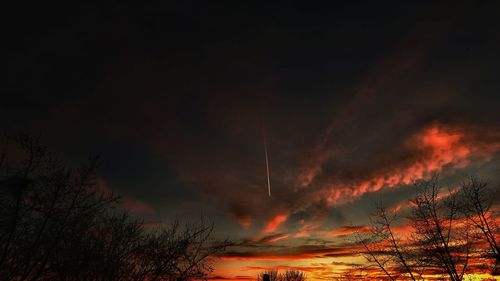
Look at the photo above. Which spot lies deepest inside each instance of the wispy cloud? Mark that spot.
(274, 223)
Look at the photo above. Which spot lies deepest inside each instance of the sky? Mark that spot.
(358, 100)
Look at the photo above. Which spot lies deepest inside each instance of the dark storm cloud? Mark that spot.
(171, 94)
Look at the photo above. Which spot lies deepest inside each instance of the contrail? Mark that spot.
(265, 151)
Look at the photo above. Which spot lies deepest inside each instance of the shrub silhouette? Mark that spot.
(288, 275)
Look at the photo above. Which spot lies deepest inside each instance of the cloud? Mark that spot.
(273, 238)
(273, 224)
(263, 241)
(346, 264)
(286, 267)
(292, 253)
(348, 230)
(307, 229)
(389, 71)
(242, 216)
(238, 277)
(429, 151)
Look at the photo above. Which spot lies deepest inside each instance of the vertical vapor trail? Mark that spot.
(265, 151)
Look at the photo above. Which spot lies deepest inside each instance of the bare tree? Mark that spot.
(476, 202)
(195, 247)
(439, 242)
(347, 275)
(443, 243)
(386, 249)
(56, 225)
(42, 202)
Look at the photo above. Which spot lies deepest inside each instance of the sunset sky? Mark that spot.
(358, 100)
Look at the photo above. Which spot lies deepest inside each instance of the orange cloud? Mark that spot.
(403, 229)
(436, 147)
(268, 239)
(245, 221)
(404, 59)
(285, 267)
(277, 238)
(347, 230)
(399, 207)
(274, 223)
(306, 229)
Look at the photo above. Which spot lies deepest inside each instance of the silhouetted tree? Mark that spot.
(438, 243)
(56, 225)
(475, 204)
(386, 249)
(442, 241)
(351, 274)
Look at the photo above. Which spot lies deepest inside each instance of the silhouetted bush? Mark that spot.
(288, 275)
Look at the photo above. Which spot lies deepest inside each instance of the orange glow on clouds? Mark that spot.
(274, 223)
(307, 229)
(245, 221)
(347, 230)
(278, 238)
(436, 147)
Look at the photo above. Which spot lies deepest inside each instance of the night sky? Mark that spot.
(358, 100)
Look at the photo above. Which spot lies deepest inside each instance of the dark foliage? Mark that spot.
(288, 275)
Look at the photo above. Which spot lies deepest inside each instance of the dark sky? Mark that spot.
(359, 98)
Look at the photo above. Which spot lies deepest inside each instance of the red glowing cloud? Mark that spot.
(273, 224)
(435, 148)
